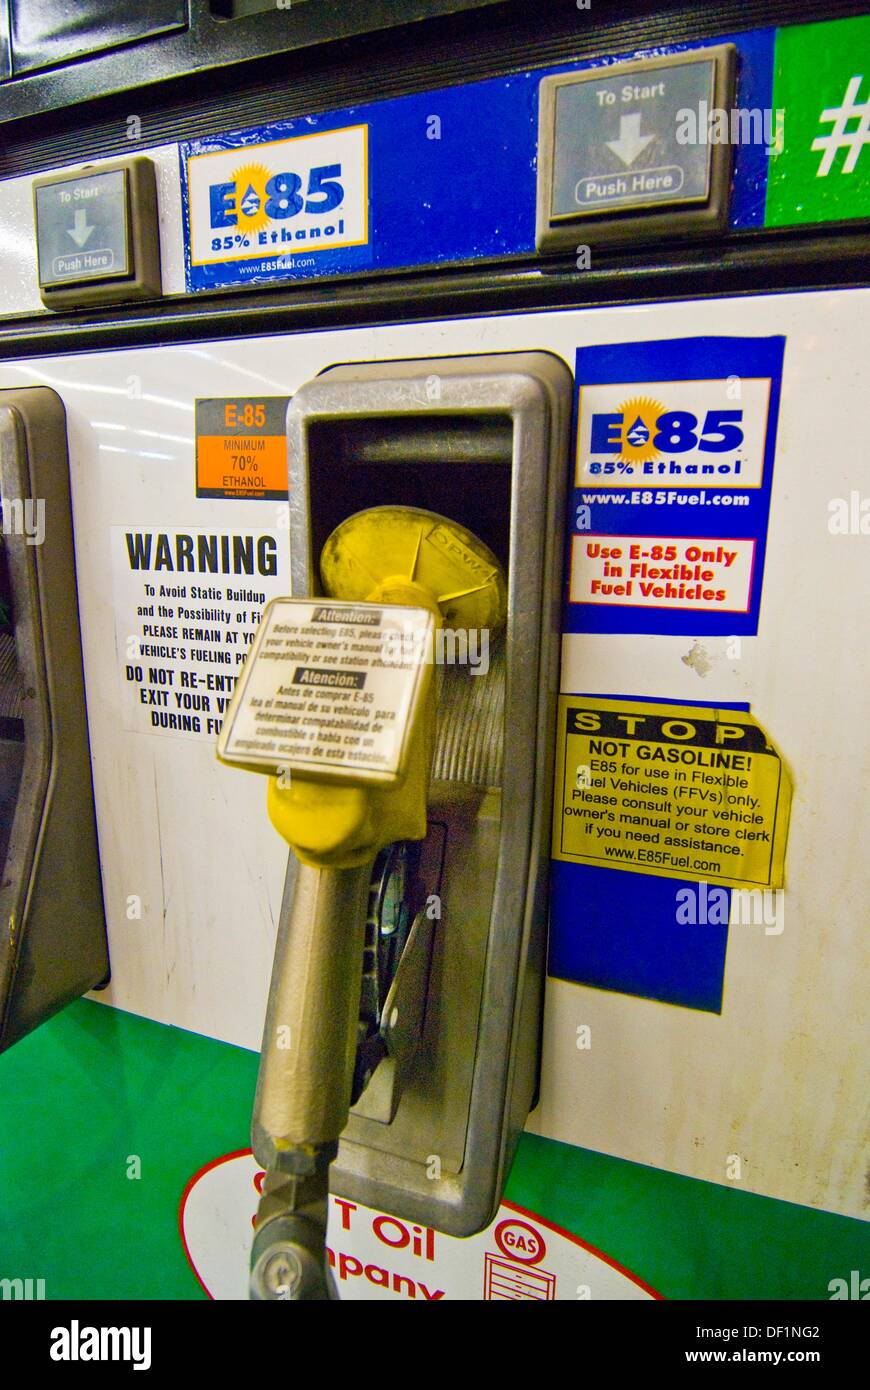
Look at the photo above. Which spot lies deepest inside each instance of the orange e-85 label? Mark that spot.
(241, 448)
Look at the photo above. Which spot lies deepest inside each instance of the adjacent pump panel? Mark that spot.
(431, 1138)
(52, 928)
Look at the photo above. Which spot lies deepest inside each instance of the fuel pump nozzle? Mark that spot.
(397, 575)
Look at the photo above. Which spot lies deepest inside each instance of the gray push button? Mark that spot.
(610, 146)
(616, 141)
(81, 229)
(96, 234)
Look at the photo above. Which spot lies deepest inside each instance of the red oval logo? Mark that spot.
(520, 1241)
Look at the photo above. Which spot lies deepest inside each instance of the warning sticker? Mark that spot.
(187, 606)
(241, 447)
(672, 790)
(329, 685)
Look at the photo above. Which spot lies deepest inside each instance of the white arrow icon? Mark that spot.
(630, 142)
(81, 230)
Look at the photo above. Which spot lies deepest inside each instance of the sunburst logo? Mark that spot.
(639, 429)
(251, 197)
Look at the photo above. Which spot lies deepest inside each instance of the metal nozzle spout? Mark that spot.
(288, 1259)
(309, 1043)
(306, 1073)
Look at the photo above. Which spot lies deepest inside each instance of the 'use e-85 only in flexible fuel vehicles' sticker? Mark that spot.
(675, 454)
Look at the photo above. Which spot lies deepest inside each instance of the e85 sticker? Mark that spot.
(708, 433)
(304, 194)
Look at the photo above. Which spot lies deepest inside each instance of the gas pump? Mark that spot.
(408, 969)
(495, 500)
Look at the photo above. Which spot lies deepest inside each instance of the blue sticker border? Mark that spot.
(617, 930)
(675, 359)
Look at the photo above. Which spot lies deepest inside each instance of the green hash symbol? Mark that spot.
(820, 170)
